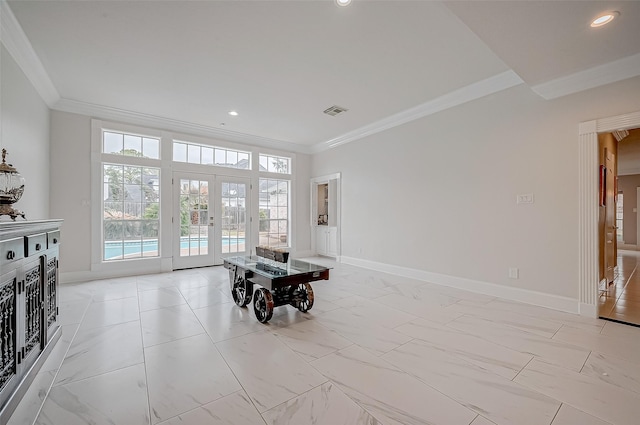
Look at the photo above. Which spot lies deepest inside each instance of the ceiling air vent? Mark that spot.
(335, 110)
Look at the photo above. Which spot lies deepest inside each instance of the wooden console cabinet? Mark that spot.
(29, 328)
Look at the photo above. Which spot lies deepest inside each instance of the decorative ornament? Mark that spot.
(11, 188)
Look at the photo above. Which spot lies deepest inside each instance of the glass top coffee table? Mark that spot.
(280, 283)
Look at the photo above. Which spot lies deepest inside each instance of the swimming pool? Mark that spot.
(114, 249)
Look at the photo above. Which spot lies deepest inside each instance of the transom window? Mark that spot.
(130, 145)
(275, 164)
(210, 155)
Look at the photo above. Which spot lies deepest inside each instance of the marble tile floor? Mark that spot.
(620, 300)
(173, 349)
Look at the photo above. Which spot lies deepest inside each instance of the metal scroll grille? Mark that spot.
(7, 331)
(52, 295)
(32, 311)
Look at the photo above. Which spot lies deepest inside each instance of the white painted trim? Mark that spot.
(121, 269)
(588, 273)
(19, 46)
(588, 276)
(457, 97)
(147, 120)
(325, 178)
(600, 75)
(627, 247)
(315, 181)
(304, 254)
(555, 302)
(588, 310)
(619, 122)
(97, 188)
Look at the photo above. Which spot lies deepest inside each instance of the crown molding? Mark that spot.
(597, 76)
(161, 123)
(457, 97)
(19, 47)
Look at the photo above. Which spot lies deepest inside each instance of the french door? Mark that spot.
(210, 219)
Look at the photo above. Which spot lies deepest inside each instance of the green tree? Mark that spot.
(281, 165)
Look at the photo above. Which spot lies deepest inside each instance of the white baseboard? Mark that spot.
(74, 277)
(628, 246)
(588, 310)
(304, 254)
(542, 299)
(121, 269)
(602, 283)
(87, 276)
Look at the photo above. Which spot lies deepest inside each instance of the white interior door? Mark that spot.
(193, 220)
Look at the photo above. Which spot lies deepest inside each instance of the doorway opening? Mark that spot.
(588, 205)
(619, 288)
(210, 219)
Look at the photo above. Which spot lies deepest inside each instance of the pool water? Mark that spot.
(114, 249)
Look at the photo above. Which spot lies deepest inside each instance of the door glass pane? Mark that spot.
(619, 217)
(204, 235)
(194, 217)
(233, 217)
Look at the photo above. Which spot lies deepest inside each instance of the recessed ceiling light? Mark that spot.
(233, 113)
(604, 19)
(343, 2)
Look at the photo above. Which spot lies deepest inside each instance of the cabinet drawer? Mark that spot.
(11, 250)
(53, 239)
(33, 244)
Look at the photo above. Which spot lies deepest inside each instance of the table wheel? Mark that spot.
(263, 305)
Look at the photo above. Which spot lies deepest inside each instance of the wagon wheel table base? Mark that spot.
(280, 284)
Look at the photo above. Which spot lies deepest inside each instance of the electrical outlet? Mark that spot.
(526, 198)
(513, 273)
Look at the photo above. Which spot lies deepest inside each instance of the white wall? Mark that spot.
(302, 211)
(71, 187)
(438, 194)
(24, 132)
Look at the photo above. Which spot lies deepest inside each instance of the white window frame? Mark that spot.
(222, 148)
(276, 157)
(167, 167)
(122, 220)
(127, 265)
(289, 209)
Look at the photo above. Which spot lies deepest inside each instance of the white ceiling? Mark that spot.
(280, 64)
